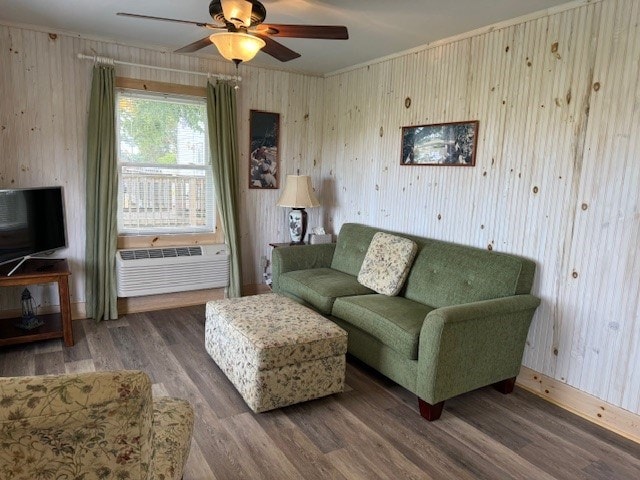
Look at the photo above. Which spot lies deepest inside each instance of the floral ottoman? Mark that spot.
(275, 351)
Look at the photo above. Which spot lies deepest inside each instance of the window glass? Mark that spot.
(164, 173)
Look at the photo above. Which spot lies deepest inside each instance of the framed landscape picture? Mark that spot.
(264, 138)
(452, 144)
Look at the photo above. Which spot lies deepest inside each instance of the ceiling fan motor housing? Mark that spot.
(258, 13)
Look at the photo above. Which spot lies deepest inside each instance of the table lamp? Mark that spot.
(298, 195)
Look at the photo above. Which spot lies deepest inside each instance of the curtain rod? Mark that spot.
(111, 61)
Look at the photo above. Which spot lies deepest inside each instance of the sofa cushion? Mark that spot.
(319, 287)
(387, 262)
(445, 274)
(351, 248)
(394, 321)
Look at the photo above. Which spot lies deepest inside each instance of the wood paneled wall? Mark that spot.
(44, 94)
(299, 101)
(557, 177)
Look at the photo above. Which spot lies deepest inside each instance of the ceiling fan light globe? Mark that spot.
(237, 46)
(237, 12)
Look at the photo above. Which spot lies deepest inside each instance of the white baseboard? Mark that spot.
(611, 417)
(150, 303)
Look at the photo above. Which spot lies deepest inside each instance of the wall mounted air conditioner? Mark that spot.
(151, 271)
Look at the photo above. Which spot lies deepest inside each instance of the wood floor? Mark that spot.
(371, 431)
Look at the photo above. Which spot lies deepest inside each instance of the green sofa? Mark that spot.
(459, 323)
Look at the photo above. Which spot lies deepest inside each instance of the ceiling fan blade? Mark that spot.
(197, 45)
(276, 49)
(328, 32)
(174, 20)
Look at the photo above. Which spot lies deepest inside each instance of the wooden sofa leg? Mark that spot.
(430, 412)
(505, 386)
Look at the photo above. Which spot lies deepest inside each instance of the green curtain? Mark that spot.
(223, 139)
(102, 187)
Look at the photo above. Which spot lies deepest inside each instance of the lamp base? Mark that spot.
(297, 226)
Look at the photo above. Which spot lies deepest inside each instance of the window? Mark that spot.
(165, 184)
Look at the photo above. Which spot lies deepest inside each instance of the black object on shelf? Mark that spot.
(28, 321)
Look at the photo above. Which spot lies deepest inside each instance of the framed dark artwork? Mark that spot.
(451, 144)
(264, 143)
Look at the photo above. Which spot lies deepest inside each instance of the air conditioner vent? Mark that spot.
(161, 253)
(164, 270)
(169, 252)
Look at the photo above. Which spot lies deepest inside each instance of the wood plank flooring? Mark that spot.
(371, 431)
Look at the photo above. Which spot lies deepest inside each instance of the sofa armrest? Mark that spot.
(299, 257)
(172, 431)
(82, 425)
(464, 347)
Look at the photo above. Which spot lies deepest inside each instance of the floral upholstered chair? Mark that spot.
(99, 425)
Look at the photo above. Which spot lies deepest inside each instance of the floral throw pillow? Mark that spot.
(387, 263)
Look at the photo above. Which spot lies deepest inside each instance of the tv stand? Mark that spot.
(57, 325)
(29, 257)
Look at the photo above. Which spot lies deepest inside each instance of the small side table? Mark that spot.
(56, 325)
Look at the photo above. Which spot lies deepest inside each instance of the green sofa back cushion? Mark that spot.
(351, 247)
(443, 273)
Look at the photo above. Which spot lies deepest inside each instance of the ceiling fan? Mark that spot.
(243, 33)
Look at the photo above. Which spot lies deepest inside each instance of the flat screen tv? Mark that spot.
(31, 223)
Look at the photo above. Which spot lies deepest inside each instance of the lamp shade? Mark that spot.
(298, 193)
(237, 46)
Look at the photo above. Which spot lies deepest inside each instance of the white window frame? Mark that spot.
(211, 216)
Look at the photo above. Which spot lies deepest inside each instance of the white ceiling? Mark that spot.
(376, 27)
